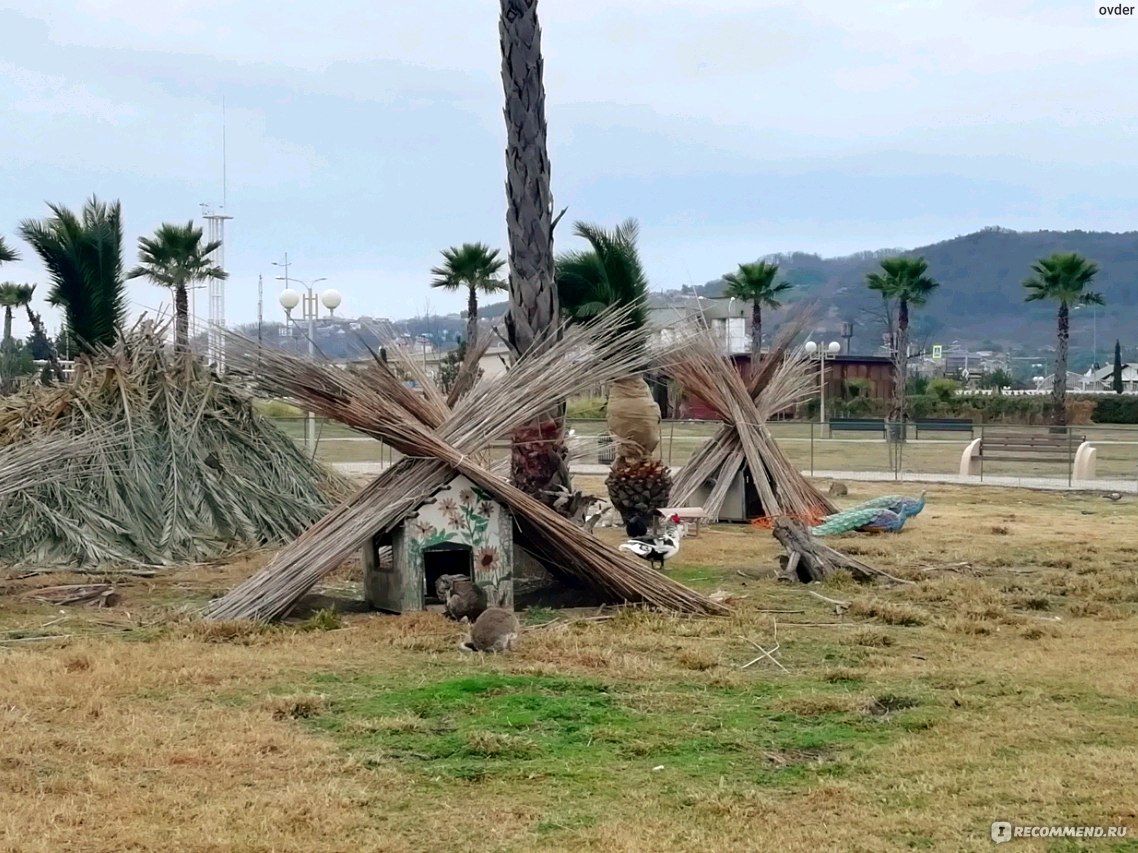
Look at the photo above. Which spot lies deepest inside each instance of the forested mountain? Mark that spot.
(981, 275)
(981, 297)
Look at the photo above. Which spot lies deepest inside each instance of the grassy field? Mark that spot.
(804, 444)
(1001, 685)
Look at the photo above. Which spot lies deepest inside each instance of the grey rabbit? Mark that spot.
(494, 631)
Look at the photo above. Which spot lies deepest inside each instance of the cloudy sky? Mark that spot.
(365, 136)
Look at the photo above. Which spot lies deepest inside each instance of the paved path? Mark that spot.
(358, 469)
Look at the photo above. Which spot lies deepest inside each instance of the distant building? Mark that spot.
(493, 362)
(1075, 382)
(1104, 376)
(875, 370)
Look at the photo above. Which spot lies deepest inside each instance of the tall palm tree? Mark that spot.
(755, 283)
(1064, 277)
(474, 266)
(83, 256)
(13, 296)
(9, 297)
(903, 281)
(538, 461)
(175, 257)
(39, 333)
(610, 274)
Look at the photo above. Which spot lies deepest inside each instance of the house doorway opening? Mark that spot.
(446, 558)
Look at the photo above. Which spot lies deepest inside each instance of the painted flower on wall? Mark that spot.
(486, 559)
(486, 508)
(467, 497)
(425, 529)
(449, 509)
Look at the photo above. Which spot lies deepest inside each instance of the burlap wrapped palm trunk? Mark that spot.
(639, 482)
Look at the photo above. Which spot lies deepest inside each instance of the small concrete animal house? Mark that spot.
(460, 530)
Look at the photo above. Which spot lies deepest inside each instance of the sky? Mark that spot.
(363, 137)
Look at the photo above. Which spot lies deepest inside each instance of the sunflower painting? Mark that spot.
(464, 514)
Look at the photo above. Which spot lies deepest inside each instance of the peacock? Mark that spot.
(866, 519)
(903, 506)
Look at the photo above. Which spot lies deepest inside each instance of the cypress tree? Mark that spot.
(1116, 379)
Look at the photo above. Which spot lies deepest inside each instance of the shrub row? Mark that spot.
(988, 409)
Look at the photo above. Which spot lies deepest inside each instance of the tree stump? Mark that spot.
(807, 559)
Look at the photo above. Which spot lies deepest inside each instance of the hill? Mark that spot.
(981, 293)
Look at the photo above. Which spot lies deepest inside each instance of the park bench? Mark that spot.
(1034, 447)
(693, 517)
(944, 425)
(858, 424)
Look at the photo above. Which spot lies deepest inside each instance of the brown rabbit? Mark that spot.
(462, 598)
(494, 631)
(838, 490)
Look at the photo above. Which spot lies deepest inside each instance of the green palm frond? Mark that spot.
(903, 279)
(83, 257)
(14, 295)
(608, 274)
(1063, 277)
(472, 265)
(755, 283)
(7, 254)
(9, 294)
(176, 256)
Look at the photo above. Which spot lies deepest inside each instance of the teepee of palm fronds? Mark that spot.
(437, 441)
(194, 470)
(744, 442)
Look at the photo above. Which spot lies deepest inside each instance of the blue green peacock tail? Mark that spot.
(903, 506)
(867, 519)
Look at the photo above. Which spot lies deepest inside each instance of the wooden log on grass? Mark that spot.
(808, 559)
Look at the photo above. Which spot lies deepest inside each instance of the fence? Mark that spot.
(819, 453)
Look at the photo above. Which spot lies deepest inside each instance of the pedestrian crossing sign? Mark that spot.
(938, 352)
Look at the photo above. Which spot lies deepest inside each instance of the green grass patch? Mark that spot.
(588, 734)
(697, 577)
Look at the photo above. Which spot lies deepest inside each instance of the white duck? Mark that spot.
(657, 550)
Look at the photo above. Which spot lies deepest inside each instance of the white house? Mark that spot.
(1105, 377)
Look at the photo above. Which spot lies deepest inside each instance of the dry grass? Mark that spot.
(1000, 685)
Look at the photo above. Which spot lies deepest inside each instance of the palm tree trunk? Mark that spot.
(39, 331)
(901, 368)
(637, 482)
(1059, 386)
(756, 334)
(472, 318)
(538, 461)
(181, 319)
(7, 386)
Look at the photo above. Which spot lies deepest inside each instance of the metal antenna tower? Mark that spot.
(216, 224)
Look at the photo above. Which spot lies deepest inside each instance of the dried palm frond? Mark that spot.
(373, 404)
(196, 473)
(35, 462)
(779, 381)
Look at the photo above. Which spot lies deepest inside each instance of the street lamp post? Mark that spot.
(830, 351)
(727, 326)
(310, 311)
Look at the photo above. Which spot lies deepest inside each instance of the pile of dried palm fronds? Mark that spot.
(744, 405)
(437, 442)
(33, 463)
(193, 470)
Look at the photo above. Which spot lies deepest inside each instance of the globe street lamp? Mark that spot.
(309, 303)
(830, 351)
